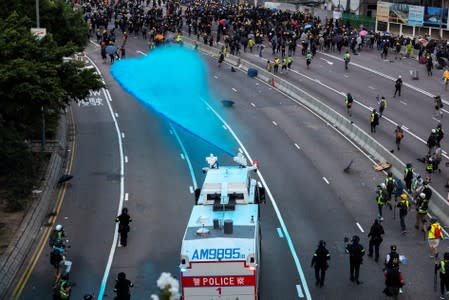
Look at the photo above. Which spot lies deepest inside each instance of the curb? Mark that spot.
(28, 234)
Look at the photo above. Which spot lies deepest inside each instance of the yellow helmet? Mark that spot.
(404, 196)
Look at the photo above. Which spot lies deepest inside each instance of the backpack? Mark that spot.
(393, 263)
(437, 232)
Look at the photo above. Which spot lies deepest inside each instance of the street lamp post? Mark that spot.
(38, 22)
(43, 129)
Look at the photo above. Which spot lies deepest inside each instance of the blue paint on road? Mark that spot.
(172, 81)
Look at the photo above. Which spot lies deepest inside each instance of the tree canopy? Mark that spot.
(33, 75)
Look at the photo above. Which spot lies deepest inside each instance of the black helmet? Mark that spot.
(124, 210)
(88, 297)
(355, 239)
(393, 247)
(409, 165)
(390, 174)
(121, 276)
(446, 255)
(322, 243)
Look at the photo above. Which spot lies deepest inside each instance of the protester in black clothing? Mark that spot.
(320, 262)
(398, 86)
(356, 253)
(375, 235)
(122, 286)
(123, 228)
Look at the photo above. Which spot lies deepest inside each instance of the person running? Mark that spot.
(320, 262)
(446, 78)
(422, 205)
(434, 235)
(123, 219)
(381, 199)
(348, 102)
(438, 105)
(309, 57)
(375, 235)
(347, 59)
(399, 135)
(374, 120)
(443, 266)
(382, 106)
(404, 207)
(356, 253)
(408, 177)
(398, 86)
(122, 286)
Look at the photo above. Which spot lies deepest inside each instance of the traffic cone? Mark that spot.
(272, 82)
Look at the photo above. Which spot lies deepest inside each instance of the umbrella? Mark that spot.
(159, 37)
(307, 26)
(363, 33)
(110, 49)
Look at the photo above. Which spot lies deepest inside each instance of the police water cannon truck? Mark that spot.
(221, 248)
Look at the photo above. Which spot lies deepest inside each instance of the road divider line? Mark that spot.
(126, 196)
(360, 227)
(140, 52)
(123, 135)
(215, 76)
(281, 235)
(182, 156)
(253, 105)
(116, 115)
(126, 159)
(234, 90)
(191, 189)
(274, 123)
(299, 291)
(325, 179)
(297, 146)
(224, 126)
(403, 102)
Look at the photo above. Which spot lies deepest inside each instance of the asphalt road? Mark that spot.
(300, 157)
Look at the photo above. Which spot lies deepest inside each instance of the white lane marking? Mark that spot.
(404, 127)
(445, 110)
(126, 159)
(297, 146)
(215, 76)
(186, 156)
(116, 115)
(371, 87)
(171, 132)
(281, 235)
(234, 90)
(191, 189)
(325, 179)
(405, 103)
(329, 62)
(96, 45)
(360, 227)
(257, 83)
(122, 192)
(182, 156)
(126, 197)
(317, 81)
(444, 152)
(346, 76)
(253, 105)
(274, 123)
(299, 290)
(123, 135)
(276, 210)
(240, 150)
(140, 52)
(364, 106)
(435, 119)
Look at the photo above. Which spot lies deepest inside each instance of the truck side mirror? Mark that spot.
(260, 194)
(197, 195)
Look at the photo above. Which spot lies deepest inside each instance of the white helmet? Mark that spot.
(433, 131)
(382, 185)
(58, 227)
(422, 195)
